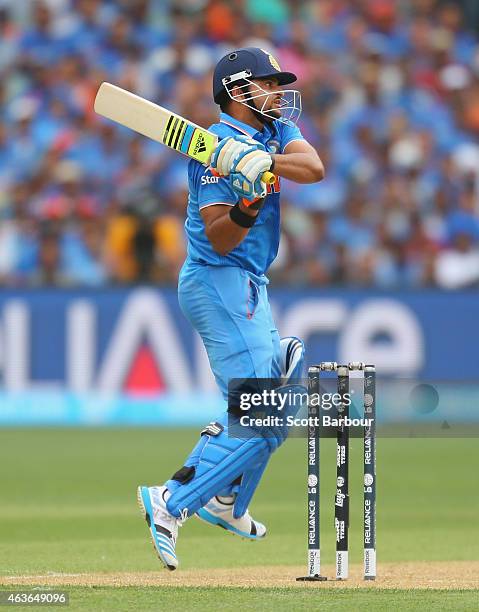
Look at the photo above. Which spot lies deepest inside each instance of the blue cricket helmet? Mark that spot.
(260, 63)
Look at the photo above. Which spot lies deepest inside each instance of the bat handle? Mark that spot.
(268, 178)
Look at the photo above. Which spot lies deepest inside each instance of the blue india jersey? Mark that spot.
(260, 247)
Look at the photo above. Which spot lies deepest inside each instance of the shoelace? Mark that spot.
(179, 521)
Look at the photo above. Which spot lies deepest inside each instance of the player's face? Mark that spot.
(271, 100)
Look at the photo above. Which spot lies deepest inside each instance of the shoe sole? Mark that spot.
(147, 518)
(215, 521)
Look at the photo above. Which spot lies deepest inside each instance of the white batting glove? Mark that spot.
(252, 164)
(227, 151)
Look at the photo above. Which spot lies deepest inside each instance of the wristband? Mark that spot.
(241, 218)
(271, 168)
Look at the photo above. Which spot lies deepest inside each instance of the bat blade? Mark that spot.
(155, 122)
(159, 124)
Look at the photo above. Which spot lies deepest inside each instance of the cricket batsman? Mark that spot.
(233, 231)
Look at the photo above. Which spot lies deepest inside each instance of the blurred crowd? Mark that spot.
(390, 100)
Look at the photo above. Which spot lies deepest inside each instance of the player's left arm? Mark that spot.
(299, 162)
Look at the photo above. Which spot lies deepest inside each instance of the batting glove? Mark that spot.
(228, 150)
(252, 164)
(246, 173)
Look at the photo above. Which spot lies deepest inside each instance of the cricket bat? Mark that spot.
(158, 123)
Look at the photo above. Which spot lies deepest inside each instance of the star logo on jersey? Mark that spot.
(207, 179)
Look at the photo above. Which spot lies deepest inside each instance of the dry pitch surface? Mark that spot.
(410, 575)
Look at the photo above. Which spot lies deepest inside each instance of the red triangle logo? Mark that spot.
(144, 377)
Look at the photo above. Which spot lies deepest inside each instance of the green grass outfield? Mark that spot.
(68, 506)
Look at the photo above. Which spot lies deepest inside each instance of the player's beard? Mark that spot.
(265, 118)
